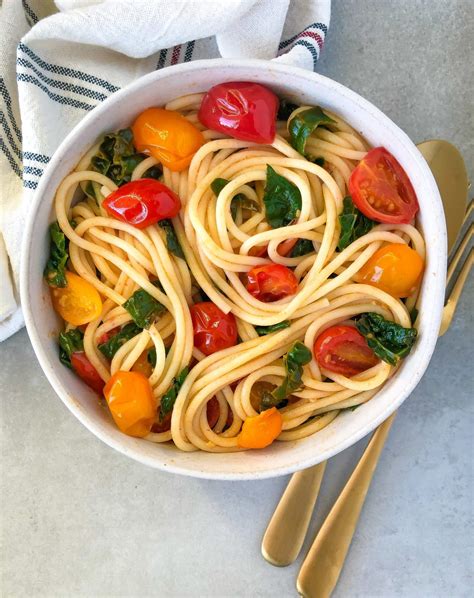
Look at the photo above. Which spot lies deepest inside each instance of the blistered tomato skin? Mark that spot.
(260, 431)
(78, 302)
(381, 189)
(167, 136)
(243, 110)
(130, 399)
(395, 269)
(213, 329)
(142, 203)
(271, 282)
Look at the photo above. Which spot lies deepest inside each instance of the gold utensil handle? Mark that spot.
(323, 563)
(287, 529)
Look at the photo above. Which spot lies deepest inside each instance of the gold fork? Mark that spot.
(288, 526)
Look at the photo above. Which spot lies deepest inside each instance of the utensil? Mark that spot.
(287, 528)
(323, 564)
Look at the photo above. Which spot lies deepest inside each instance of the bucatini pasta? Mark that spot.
(234, 269)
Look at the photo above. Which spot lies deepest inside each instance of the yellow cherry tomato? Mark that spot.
(131, 403)
(77, 303)
(167, 136)
(142, 365)
(394, 268)
(261, 430)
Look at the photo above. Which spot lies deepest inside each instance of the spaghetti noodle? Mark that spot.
(220, 240)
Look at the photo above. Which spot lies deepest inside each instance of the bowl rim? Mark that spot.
(437, 283)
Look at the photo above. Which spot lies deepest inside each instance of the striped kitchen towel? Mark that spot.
(59, 60)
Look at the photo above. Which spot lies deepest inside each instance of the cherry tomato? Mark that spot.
(131, 403)
(212, 412)
(85, 370)
(242, 110)
(167, 136)
(271, 282)
(107, 335)
(162, 426)
(395, 268)
(142, 202)
(213, 329)
(381, 189)
(77, 303)
(343, 350)
(261, 430)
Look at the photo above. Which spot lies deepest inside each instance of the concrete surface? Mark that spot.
(79, 519)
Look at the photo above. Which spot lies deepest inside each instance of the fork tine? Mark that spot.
(460, 250)
(450, 307)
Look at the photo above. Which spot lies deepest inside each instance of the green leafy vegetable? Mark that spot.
(143, 308)
(171, 238)
(239, 200)
(388, 340)
(282, 200)
(110, 347)
(168, 399)
(353, 224)
(319, 161)
(303, 124)
(297, 357)
(55, 271)
(263, 330)
(116, 157)
(69, 342)
(285, 109)
(302, 247)
(151, 356)
(414, 314)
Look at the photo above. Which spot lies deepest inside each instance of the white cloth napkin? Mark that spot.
(58, 61)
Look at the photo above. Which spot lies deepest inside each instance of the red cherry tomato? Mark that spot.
(271, 282)
(381, 189)
(162, 426)
(213, 329)
(343, 350)
(242, 110)
(212, 412)
(85, 370)
(142, 202)
(107, 335)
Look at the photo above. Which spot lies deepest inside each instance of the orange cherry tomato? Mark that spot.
(167, 136)
(261, 430)
(343, 349)
(395, 269)
(131, 403)
(271, 282)
(142, 365)
(77, 303)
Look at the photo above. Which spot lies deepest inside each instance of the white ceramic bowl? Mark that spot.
(119, 111)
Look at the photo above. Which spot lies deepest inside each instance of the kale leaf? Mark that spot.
(282, 200)
(388, 340)
(55, 270)
(110, 347)
(70, 342)
(143, 308)
(353, 224)
(169, 398)
(297, 357)
(263, 330)
(303, 124)
(172, 242)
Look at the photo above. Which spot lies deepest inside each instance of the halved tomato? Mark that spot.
(271, 282)
(381, 189)
(343, 350)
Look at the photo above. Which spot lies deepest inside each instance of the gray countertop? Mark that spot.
(82, 520)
